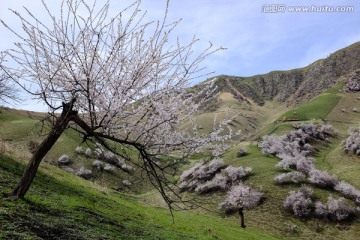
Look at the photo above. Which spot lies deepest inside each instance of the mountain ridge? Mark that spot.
(292, 86)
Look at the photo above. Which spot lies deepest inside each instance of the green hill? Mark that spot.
(63, 206)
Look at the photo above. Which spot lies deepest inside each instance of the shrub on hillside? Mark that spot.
(241, 153)
(203, 170)
(300, 202)
(322, 178)
(97, 164)
(79, 150)
(127, 183)
(109, 168)
(236, 173)
(321, 132)
(347, 190)
(353, 84)
(64, 160)
(352, 143)
(219, 182)
(305, 165)
(334, 209)
(88, 152)
(291, 177)
(84, 173)
(99, 152)
(127, 168)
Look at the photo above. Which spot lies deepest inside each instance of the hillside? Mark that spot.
(293, 86)
(261, 99)
(61, 205)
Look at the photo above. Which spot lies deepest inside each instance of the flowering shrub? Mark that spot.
(322, 178)
(242, 152)
(334, 209)
(109, 167)
(79, 150)
(353, 84)
(352, 143)
(316, 131)
(305, 165)
(217, 183)
(236, 173)
(126, 183)
(203, 170)
(88, 152)
(300, 202)
(347, 190)
(127, 168)
(99, 152)
(291, 177)
(205, 177)
(97, 164)
(64, 159)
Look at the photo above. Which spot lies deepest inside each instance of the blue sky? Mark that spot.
(256, 41)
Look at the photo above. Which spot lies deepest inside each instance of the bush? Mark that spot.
(219, 182)
(352, 143)
(347, 190)
(127, 183)
(64, 160)
(334, 209)
(291, 177)
(305, 165)
(241, 153)
(322, 179)
(202, 170)
(84, 173)
(109, 168)
(353, 84)
(79, 150)
(88, 152)
(99, 152)
(300, 202)
(316, 131)
(127, 168)
(236, 173)
(97, 164)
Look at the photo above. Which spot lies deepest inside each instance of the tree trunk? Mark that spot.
(59, 127)
(242, 219)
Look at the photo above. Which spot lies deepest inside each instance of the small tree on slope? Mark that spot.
(241, 197)
(118, 82)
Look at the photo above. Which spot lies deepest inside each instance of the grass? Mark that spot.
(90, 211)
(318, 108)
(62, 206)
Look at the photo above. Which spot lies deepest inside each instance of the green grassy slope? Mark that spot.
(63, 206)
(334, 107)
(317, 108)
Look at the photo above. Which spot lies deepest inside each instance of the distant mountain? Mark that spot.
(261, 99)
(293, 86)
